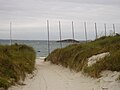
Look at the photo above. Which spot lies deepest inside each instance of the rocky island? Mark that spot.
(69, 41)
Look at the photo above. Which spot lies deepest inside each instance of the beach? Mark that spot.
(48, 76)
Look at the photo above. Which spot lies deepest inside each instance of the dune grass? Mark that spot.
(76, 56)
(15, 62)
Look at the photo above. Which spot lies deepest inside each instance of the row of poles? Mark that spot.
(60, 32)
(73, 35)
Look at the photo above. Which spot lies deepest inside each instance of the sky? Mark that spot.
(29, 18)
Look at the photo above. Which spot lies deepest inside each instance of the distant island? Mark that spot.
(69, 41)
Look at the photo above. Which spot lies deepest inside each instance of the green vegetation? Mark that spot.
(76, 56)
(15, 62)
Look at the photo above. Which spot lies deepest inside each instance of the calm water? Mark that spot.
(37, 45)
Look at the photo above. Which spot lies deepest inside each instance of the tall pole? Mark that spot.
(48, 37)
(73, 29)
(60, 34)
(114, 29)
(105, 29)
(96, 30)
(85, 31)
(10, 33)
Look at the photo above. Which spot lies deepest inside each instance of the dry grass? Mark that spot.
(75, 56)
(15, 62)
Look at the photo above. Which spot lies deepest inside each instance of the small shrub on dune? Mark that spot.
(111, 63)
(95, 69)
(15, 61)
(4, 83)
(75, 56)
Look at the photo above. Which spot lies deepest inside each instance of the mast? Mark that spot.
(85, 31)
(105, 29)
(10, 33)
(96, 30)
(60, 34)
(73, 30)
(48, 37)
(114, 29)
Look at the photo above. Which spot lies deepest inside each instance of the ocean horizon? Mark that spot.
(40, 46)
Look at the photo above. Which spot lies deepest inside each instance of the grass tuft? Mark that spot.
(15, 61)
(76, 56)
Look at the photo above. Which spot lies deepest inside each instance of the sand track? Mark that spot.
(52, 77)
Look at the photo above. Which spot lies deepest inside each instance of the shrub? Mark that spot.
(15, 61)
(75, 56)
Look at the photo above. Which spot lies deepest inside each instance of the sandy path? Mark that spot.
(53, 77)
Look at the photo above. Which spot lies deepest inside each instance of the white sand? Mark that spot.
(53, 77)
(96, 58)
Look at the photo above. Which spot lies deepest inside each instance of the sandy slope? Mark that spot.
(53, 77)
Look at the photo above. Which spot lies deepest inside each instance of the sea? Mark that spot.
(40, 46)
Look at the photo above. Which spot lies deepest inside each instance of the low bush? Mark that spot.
(15, 62)
(76, 56)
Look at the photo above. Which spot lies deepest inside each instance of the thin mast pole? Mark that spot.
(60, 34)
(48, 37)
(73, 29)
(96, 30)
(105, 29)
(114, 28)
(85, 31)
(10, 33)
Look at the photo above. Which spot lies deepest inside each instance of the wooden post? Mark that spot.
(60, 34)
(48, 37)
(85, 31)
(96, 30)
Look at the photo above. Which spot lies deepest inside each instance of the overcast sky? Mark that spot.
(29, 17)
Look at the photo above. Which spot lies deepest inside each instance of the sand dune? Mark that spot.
(52, 77)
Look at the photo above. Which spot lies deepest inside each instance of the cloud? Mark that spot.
(26, 14)
(37, 9)
(103, 2)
